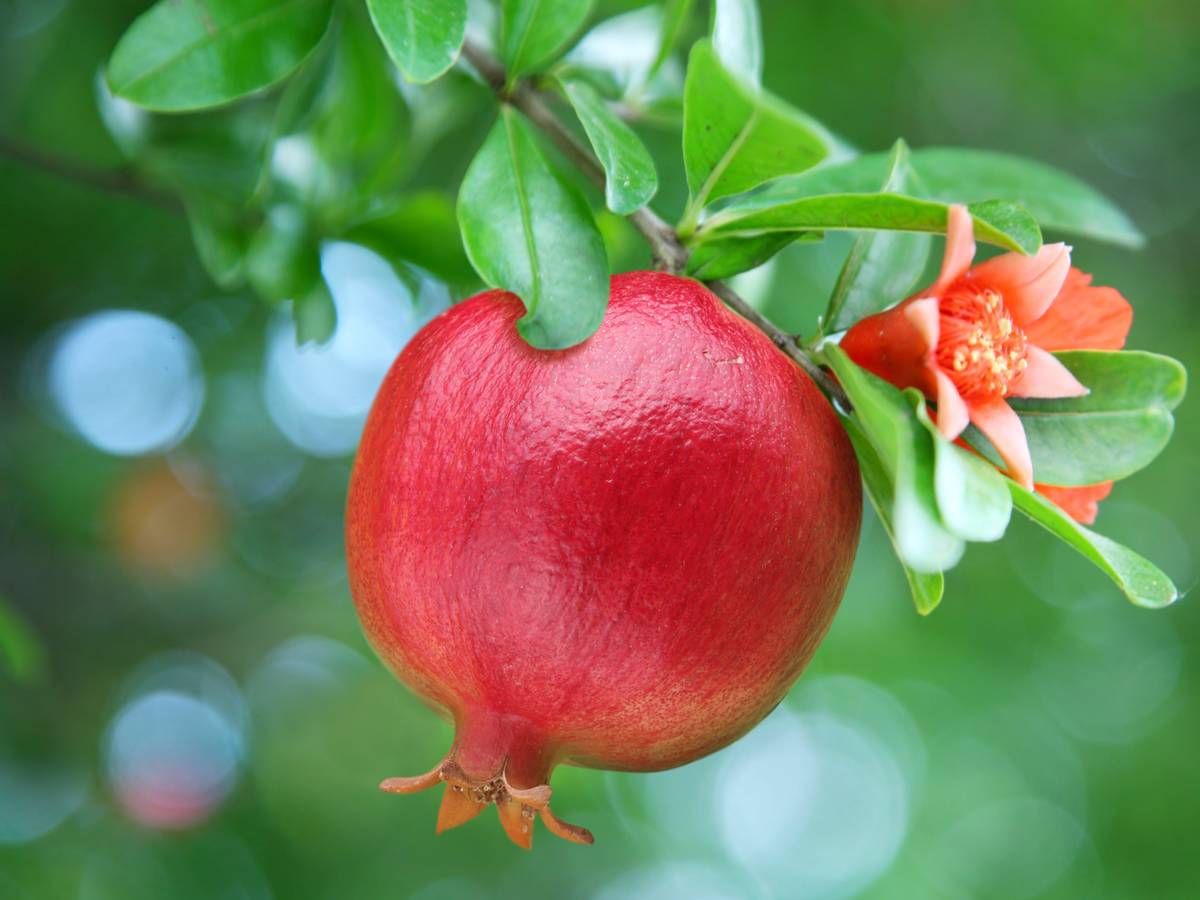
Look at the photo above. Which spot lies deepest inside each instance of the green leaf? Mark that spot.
(737, 38)
(21, 653)
(1140, 580)
(533, 32)
(422, 229)
(630, 178)
(283, 261)
(927, 587)
(362, 125)
(734, 139)
(1002, 224)
(190, 54)
(883, 267)
(1118, 428)
(714, 260)
(607, 83)
(1009, 221)
(1056, 200)
(220, 239)
(674, 18)
(906, 453)
(218, 154)
(423, 37)
(530, 232)
(315, 314)
(972, 496)
(300, 99)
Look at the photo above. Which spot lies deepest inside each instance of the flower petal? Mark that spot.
(960, 248)
(1046, 377)
(1080, 503)
(952, 413)
(896, 346)
(1083, 317)
(1028, 284)
(923, 314)
(1003, 428)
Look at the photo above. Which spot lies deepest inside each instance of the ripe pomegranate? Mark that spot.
(618, 556)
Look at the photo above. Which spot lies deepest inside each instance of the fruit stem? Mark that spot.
(670, 255)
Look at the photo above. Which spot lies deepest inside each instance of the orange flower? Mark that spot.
(982, 334)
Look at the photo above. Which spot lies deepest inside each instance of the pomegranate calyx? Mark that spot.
(465, 798)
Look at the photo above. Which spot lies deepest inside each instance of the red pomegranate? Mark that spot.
(618, 556)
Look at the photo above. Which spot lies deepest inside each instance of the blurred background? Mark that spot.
(187, 706)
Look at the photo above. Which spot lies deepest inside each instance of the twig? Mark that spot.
(114, 181)
(670, 254)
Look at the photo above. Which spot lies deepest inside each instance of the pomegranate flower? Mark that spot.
(981, 334)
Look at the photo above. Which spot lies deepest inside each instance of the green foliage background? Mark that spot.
(1044, 730)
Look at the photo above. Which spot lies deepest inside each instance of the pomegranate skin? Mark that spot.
(619, 555)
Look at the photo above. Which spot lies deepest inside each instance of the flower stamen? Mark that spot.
(981, 348)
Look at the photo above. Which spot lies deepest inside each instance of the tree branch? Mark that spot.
(670, 254)
(113, 181)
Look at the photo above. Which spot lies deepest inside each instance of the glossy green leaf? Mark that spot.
(191, 54)
(883, 266)
(1139, 579)
(927, 587)
(713, 260)
(609, 84)
(1002, 224)
(534, 32)
(906, 453)
(1118, 428)
(630, 177)
(734, 140)
(423, 37)
(737, 38)
(422, 229)
(530, 232)
(1056, 200)
(315, 314)
(972, 497)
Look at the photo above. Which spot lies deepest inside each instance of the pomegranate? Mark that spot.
(619, 555)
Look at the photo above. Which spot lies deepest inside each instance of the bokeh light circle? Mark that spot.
(300, 670)
(815, 800)
(128, 382)
(673, 880)
(820, 794)
(1014, 848)
(174, 749)
(35, 801)
(319, 394)
(1108, 674)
